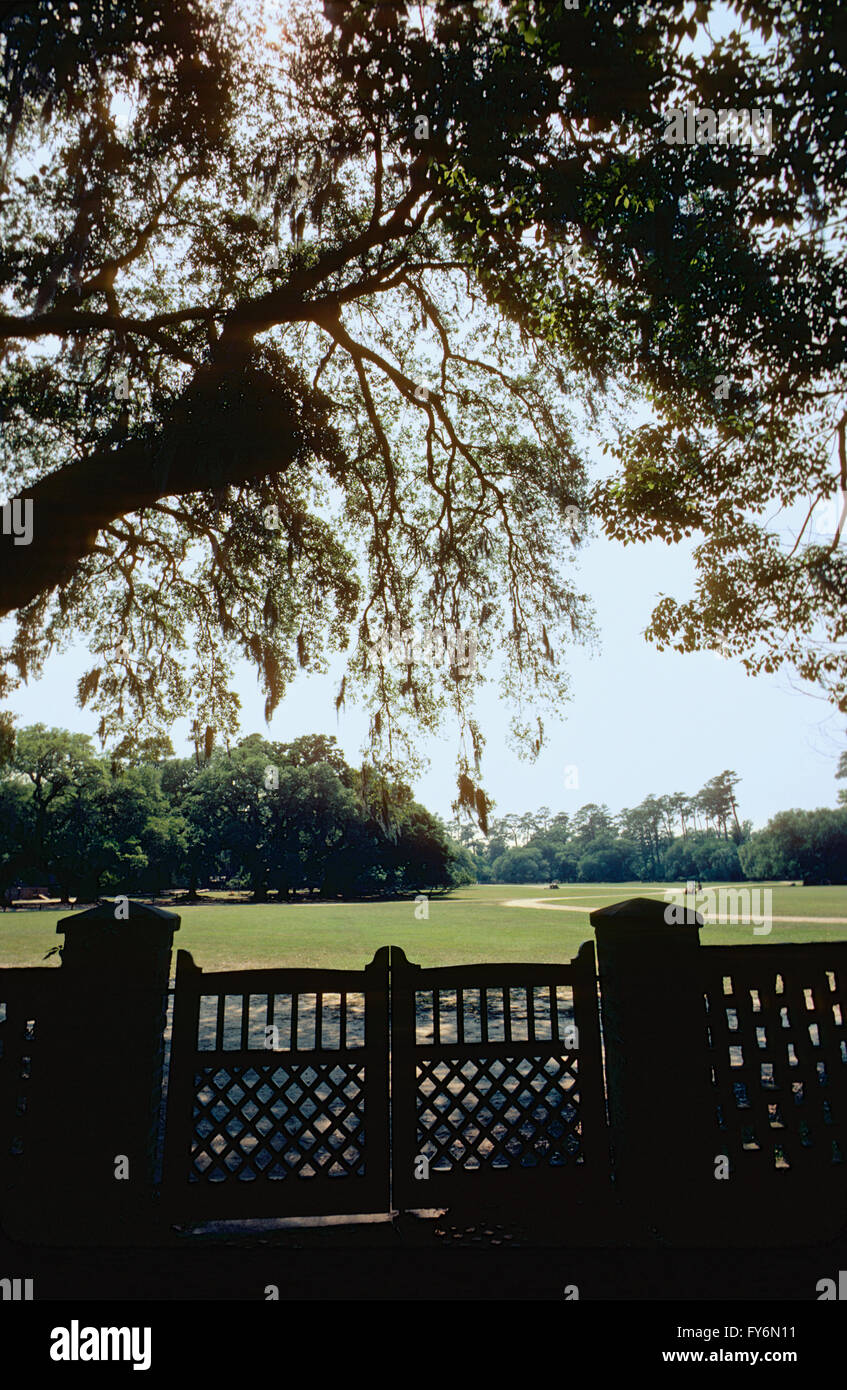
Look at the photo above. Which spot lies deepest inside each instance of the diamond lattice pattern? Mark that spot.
(499, 1113)
(303, 1120)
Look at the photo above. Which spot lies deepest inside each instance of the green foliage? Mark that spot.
(608, 859)
(263, 815)
(518, 866)
(86, 823)
(593, 846)
(704, 857)
(799, 844)
(247, 226)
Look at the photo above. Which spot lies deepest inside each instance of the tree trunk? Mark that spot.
(231, 424)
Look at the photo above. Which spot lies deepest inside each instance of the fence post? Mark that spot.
(657, 1072)
(105, 1052)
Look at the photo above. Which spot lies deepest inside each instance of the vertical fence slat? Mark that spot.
(554, 1013)
(319, 1000)
(295, 1041)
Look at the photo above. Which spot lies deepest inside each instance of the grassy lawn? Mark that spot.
(470, 925)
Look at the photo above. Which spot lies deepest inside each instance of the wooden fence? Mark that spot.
(278, 1098)
(662, 1091)
(496, 1084)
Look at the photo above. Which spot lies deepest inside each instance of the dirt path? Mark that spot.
(565, 907)
(537, 902)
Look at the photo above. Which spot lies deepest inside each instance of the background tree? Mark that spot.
(607, 859)
(266, 816)
(115, 834)
(799, 844)
(702, 856)
(590, 821)
(83, 824)
(282, 817)
(519, 866)
(635, 826)
(58, 766)
(639, 843)
(717, 802)
(678, 803)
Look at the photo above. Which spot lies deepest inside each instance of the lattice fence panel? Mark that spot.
(499, 1111)
(278, 1096)
(496, 1072)
(775, 1021)
(276, 1122)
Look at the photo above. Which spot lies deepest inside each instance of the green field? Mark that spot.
(472, 924)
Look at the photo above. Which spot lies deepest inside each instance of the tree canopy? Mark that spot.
(799, 844)
(664, 837)
(264, 816)
(313, 316)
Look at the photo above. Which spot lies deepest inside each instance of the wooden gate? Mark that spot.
(278, 1092)
(497, 1084)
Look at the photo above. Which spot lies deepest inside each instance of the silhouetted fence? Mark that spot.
(668, 1092)
(496, 1084)
(278, 1098)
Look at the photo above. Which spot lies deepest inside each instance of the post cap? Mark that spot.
(648, 911)
(137, 912)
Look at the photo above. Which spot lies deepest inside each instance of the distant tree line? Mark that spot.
(263, 816)
(280, 818)
(664, 839)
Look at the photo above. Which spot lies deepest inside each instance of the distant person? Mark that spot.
(8, 898)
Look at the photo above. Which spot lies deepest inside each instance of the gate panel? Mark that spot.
(496, 1080)
(278, 1092)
